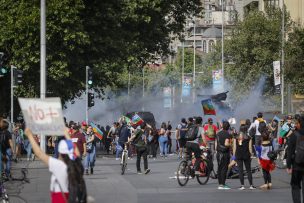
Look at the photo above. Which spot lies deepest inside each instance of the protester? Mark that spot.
(182, 130)
(242, 150)
(79, 139)
(223, 144)
(123, 136)
(266, 163)
(6, 146)
(168, 133)
(273, 128)
(295, 161)
(18, 133)
(194, 133)
(210, 131)
(89, 160)
(163, 140)
(140, 141)
(67, 183)
(258, 123)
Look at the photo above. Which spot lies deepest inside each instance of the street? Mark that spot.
(108, 186)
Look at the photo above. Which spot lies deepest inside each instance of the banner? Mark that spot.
(136, 120)
(167, 91)
(186, 88)
(43, 116)
(277, 73)
(208, 107)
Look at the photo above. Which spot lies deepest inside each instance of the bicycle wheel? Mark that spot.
(183, 172)
(204, 170)
(124, 164)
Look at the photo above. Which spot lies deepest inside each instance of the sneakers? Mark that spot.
(139, 172)
(117, 159)
(147, 171)
(87, 172)
(197, 173)
(242, 187)
(252, 187)
(224, 187)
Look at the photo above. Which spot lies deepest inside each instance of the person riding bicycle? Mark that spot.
(124, 134)
(194, 133)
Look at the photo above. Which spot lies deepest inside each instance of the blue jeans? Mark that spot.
(275, 144)
(119, 149)
(163, 144)
(56, 153)
(89, 160)
(28, 148)
(8, 162)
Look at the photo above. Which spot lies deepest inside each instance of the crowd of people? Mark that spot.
(76, 150)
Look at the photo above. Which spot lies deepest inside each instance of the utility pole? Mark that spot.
(42, 61)
(87, 95)
(12, 96)
(282, 60)
(183, 69)
(194, 47)
(223, 21)
(143, 87)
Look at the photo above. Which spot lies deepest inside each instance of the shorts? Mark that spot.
(182, 143)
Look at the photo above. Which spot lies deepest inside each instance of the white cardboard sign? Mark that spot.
(43, 116)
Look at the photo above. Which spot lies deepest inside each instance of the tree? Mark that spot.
(294, 73)
(109, 36)
(253, 46)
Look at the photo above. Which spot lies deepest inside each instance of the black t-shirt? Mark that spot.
(124, 134)
(242, 151)
(5, 136)
(221, 137)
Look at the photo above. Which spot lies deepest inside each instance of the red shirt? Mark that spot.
(206, 129)
(79, 139)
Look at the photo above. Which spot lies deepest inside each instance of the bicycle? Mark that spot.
(124, 158)
(186, 169)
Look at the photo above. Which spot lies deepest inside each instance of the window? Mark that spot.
(204, 46)
(211, 46)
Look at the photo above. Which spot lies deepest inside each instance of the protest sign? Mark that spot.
(43, 116)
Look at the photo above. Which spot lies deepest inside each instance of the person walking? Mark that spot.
(222, 145)
(140, 141)
(242, 150)
(295, 165)
(182, 130)
(163, 140)
(6, 146)
(209, 136)
(89, 160)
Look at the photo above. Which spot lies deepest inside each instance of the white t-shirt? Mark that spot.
(59, 172)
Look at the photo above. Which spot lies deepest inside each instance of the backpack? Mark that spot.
(138, 141)
(299, 158)
(252, 132)
(183, 132)
(262, 126)
(210, 132)
(192, 132)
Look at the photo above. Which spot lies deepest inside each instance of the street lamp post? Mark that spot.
(283, 59)
(223, 19)
(183, 69)
(194, 46)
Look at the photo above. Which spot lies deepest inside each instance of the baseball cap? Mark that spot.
(66, 147)
(83, 123)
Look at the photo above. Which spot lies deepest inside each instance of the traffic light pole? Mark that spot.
(12, 95)
(87, 95)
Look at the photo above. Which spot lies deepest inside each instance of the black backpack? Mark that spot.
(192, 132)
(262, 126)
(252, 132)
(183, 132)
(299, 158)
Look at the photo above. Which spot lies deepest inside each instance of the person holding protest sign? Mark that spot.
(67, 183)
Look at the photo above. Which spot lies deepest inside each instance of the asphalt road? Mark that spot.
(160, 186)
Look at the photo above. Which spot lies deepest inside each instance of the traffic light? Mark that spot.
(18, 76)
(91, 100)
(3, 70)
(90, 77)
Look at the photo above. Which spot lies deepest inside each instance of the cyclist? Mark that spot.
(192, 145)
(123, 135)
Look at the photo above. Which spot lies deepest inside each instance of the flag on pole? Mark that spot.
(136, 120)
(208, 107)
(97, 131)
(276, 118)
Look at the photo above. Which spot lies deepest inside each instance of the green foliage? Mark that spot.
(109, 36)
(254, 45)
(295, 60)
